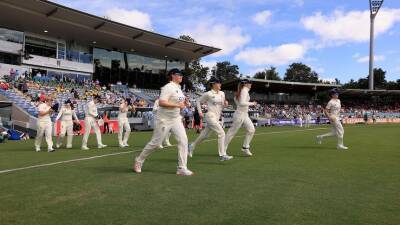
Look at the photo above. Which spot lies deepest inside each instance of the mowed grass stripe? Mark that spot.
(126, 152)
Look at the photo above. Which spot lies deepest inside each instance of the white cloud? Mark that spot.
(219, 35)
(209, 64)
(262, 18)
(278, 55)
(329, 79)
(364, 59)
(353, 26)
(133, 17)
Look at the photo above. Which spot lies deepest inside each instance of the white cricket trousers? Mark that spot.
(337, 130)
(90, 122)
(161, 129)
(123, 126)
(240, 119)
(44, 128)
(67, 127)
(212, 124)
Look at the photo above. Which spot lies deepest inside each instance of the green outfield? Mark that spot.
(289, 180)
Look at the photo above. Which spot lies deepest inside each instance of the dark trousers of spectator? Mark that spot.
(106, 128)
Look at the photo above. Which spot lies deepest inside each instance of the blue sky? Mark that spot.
(330, 36)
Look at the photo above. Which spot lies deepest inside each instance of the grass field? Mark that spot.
(289, 180)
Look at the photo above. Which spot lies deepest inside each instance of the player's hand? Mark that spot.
(254, 103)
(332, 119)
(226, 103)
(181, 105)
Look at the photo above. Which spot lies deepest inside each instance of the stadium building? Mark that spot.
(43, 37)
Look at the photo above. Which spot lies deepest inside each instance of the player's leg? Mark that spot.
(85, 138)
(120, 133)
(39, 136)
(203, 135)
(340, 133)
(166, 141)
(329, 134)
(127, 128)
(49, 138)
(236, 125)
(250, 130)
(96, 129)
(61, 135)
(70, 134)
(215, 126)
(159, 133)
(179, 132)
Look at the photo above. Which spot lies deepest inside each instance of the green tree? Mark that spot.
(299, 72)
(268, 74)
(196, 73)
(225, 71)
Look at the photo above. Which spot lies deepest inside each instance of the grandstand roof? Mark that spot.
(260, 85)
(36, 16)
(365, 92)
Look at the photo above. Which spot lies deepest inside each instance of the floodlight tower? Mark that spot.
(374, 6)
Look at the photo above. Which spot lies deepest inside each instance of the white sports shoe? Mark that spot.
(50, 150)
(319, 139)
(247, 152)
(37, 149)
(184, 172)
(122, 146)
(137, 166)
(190, 150)
(69, 146)
(101, 146)
(225, 158)
(167, 144)
(85, 148)
(126, 145)
(58, 146)
(342, 147)
(160, 146)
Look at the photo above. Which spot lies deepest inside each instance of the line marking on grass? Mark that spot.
(132, 151)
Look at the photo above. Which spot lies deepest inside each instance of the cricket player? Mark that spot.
(215, 99)
(332, 111)
(123, 124)
(90, 122)
(45, 126)
(168, 119)
(67, 115)
(241, 117)
(156, 106)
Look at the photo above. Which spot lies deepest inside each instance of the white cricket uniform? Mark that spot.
(156, 106)
(215, 103)
(90, 122)
(123, 124)
(307, 120)
(44, 127)
(300, 120)
(67, 125)
(337, 129)
(241, 119)
(168, 120)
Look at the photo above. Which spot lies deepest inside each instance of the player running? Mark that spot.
(241, 117)
(215, 99)
(90, 122)
(45, 127)
(332, 111)
(166, 143)
(168, 119)
(68, 116)
(123, 123)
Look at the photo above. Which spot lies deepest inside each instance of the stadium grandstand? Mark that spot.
(49, 49)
